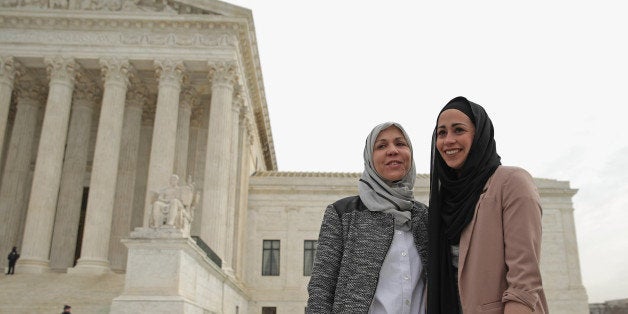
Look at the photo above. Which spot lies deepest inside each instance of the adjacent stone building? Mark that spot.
(609, 307)
(101, 101)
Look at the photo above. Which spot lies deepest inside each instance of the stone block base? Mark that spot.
(168, 272)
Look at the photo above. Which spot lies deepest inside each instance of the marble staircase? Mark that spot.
(47, 293)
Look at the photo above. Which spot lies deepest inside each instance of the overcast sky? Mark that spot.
(552, 76)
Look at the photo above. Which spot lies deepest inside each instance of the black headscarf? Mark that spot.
(453, 197)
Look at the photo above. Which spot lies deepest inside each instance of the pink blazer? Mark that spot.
(500, 248)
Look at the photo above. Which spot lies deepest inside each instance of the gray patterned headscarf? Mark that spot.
(379, 194)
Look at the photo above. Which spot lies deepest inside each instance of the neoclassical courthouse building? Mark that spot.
(101, 101)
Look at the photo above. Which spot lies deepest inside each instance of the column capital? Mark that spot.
(222, 73)
(61, 69)
(115, 70)
(170, 71)
(136, 98)
(189, 98)
(31, 89)
(10, 69)
(87, 92)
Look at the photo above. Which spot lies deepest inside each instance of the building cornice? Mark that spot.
(547, 187)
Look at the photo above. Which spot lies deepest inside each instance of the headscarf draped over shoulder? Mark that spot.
(453, 196)
(378, 194)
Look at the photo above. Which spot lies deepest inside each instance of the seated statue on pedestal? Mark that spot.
(173, 206)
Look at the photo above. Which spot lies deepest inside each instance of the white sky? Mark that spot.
(552, 76)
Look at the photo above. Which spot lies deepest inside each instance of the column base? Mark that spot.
(91, 267)
(32, 266)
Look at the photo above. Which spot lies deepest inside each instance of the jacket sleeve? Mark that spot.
(522, 240)
(322, 286)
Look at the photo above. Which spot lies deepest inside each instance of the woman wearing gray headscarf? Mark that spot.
(372, 248)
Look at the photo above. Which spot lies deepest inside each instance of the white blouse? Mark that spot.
(400, 287)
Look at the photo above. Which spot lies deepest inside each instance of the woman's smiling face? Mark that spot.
(454, 136)
(392, 157)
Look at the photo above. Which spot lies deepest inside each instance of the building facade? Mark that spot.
(101, 101)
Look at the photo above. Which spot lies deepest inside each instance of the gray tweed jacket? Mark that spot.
(352, 245)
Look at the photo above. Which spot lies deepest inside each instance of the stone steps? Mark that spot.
(47, 293)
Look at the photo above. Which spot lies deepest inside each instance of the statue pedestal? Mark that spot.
(168, 273)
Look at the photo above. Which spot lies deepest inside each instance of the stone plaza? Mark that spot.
(103, 103)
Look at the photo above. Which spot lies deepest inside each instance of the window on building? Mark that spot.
(309, 251)
(270, 258)
(269, 310)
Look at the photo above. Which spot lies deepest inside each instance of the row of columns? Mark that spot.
(52, 214)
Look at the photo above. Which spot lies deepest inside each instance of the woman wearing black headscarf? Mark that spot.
(372, 247)
(484, 222)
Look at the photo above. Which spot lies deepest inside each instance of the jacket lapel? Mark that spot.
(467, 233)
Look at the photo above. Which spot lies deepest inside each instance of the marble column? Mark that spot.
(196, 162)
(68, 214)
(196, 142)
(238, 101)
(217, 160)
(141, 173)
(125, 188)
(16, 179)
(47, 176)
(188, 99)
(244, 172)
(8, 72)
(102, 186)
(170, 74)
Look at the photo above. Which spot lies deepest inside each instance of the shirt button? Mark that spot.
(398, 232)
(406, 277)
(404, 253)
(407, 301)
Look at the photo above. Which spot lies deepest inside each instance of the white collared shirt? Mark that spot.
(400, 286)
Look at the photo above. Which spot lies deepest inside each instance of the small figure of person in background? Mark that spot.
(13, 256)
(67, 309)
